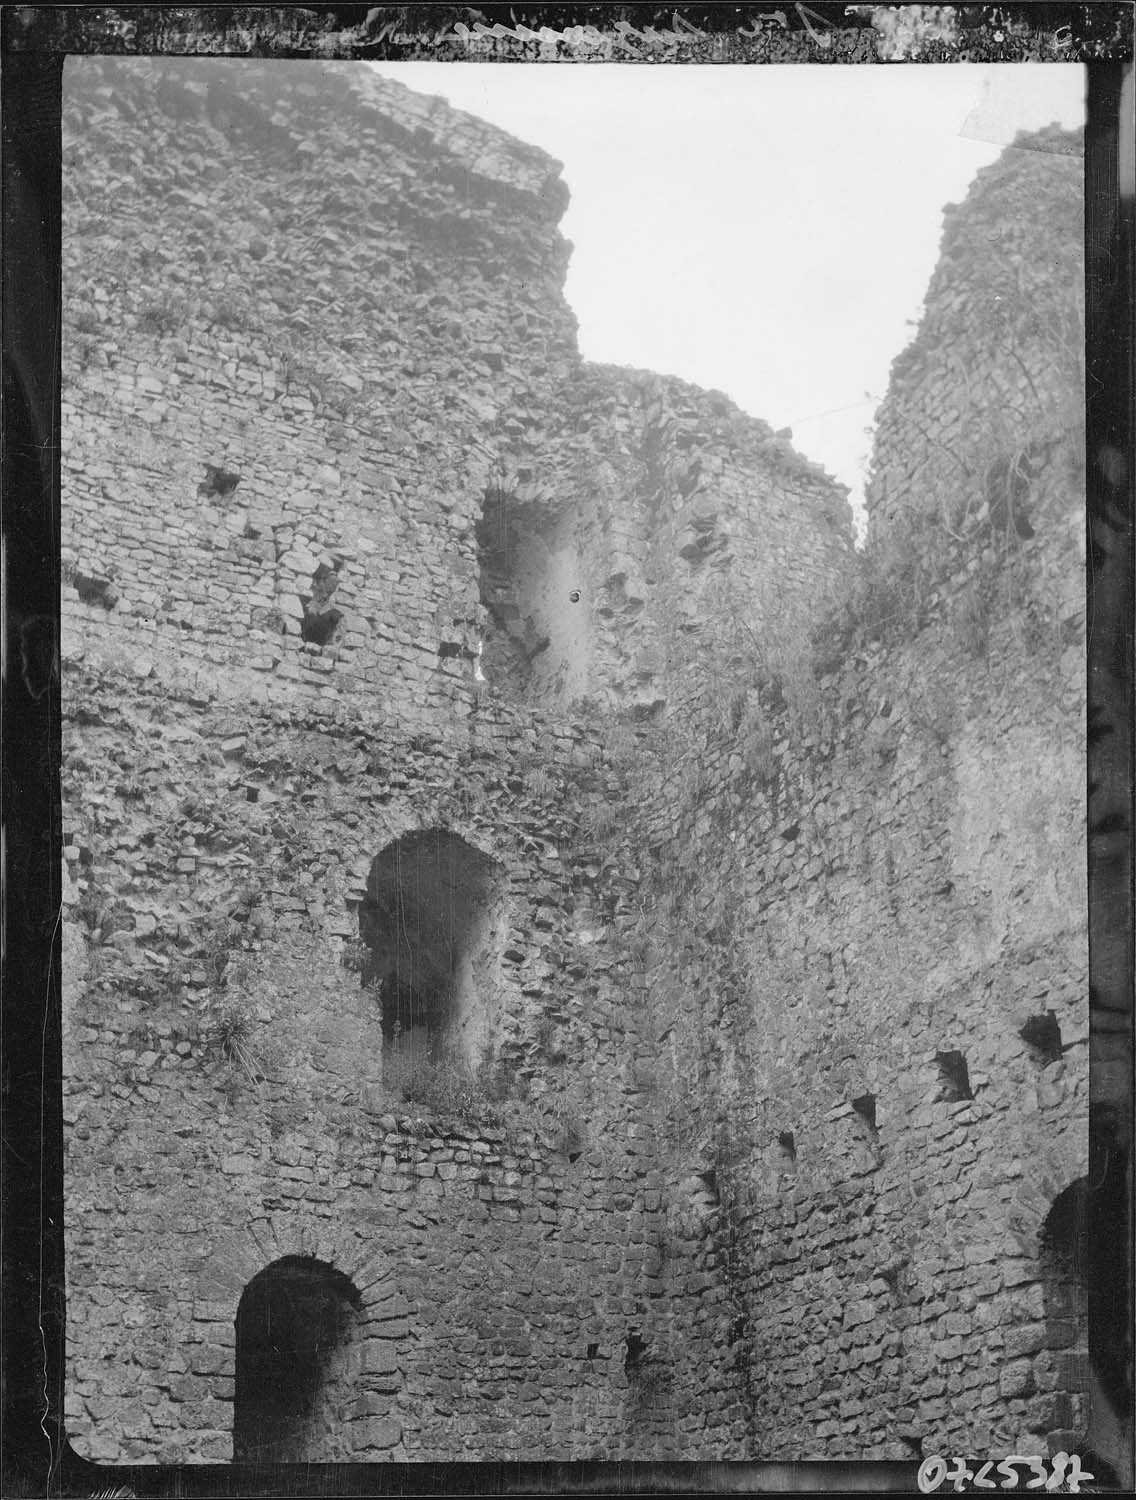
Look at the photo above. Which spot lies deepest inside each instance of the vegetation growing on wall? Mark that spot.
(736, 926)
(965, 556)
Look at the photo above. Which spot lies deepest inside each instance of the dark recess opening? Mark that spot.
(788, 1145)
(636, 1348)
(892, 1275)
(319, 623)
(1042, 1035)
(865, 1107)
(220, 482)
(954, 1079)
(451, 650)
(592, 1351)
(537, 634)
(866, 1150)
(424, 934)
(295, 1326)
(320, 620)
(92, 590)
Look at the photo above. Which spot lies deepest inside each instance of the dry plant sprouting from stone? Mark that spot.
(933, 709)
(598, 821)
(231, 1034)
(446, 1085)
(560, 1121)
(159, 316)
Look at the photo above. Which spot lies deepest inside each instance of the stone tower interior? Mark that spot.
(564, 954)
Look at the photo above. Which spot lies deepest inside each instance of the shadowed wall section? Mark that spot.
(1062, 1366)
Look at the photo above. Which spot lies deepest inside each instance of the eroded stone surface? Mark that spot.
(715, 1193)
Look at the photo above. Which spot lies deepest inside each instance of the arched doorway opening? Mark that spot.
(297, 1364)
(1065, 1290)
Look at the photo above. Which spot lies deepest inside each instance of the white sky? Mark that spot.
(764, 231)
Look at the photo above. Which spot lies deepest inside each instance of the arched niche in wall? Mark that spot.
(430, 925)
(1064, 1364)
(297, 1365)
(533, 583)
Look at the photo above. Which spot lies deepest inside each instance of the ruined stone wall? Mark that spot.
(307, 342)
(995, 371)
(315, 348)
(226, 1102)
(357, 551)
(281, 285)
(687, 511)
(873, 1016)
(892, 896)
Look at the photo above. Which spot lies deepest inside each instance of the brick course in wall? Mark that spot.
(356, 548)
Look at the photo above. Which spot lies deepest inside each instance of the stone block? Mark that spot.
(379, 1357)
(380, 1308)
(381, 1433)
(1016, 1378)
(1025, 1338)
(208, 1359)
(212, 1310)
(1054, 1409)
(394, 1328)
(238, 1166)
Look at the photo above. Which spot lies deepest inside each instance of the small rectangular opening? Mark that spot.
(865, 1107)
(218, 481)
(954, 1080)
(93, 590)
(318, 625)
(1042, 1035)
(709, 1181)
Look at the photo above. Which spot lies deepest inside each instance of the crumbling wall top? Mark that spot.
(277, 108)
(997, 362)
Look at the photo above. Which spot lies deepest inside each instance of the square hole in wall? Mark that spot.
(319, 624)
(865, 1107)
(1042, 1035)
(709, 1181)
(95, 590)
(219, 482)
(954, 1079)
(320, 620)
